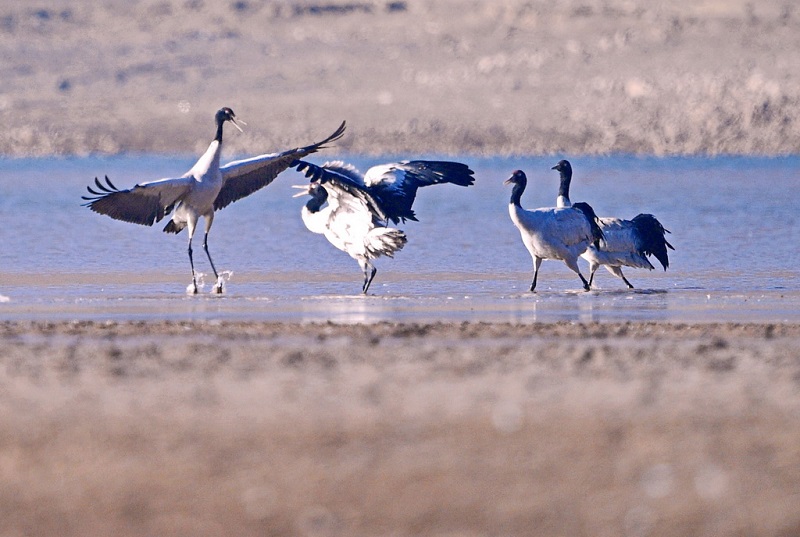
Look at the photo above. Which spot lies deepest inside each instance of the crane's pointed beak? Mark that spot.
(236, 124)
(305, 190)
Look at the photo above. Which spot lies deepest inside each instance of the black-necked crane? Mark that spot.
(207, 187)
(627, 243)
(394, 185)
(352, 220)
(552, 232)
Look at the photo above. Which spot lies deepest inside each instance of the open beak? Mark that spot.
(236, 124)
(508, 181)
(305, 190)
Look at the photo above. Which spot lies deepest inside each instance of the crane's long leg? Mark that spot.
(586, 286)
(217, 287)
(209, 218)
(191, 225)
(573, 265)
(617, 271)
(537, 262)
(191, 264)
(205, 247)
(592, 269)
(369, 273)
(368, 277)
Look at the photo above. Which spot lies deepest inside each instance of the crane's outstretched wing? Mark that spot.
(243, 177)
(332, 169)
(395, 185)
(145, 203)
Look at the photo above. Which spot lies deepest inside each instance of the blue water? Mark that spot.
(734, 224)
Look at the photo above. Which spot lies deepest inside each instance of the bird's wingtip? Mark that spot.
(337, 134)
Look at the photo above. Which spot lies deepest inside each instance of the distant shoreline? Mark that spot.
(507, 77)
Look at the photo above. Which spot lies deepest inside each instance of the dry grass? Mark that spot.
(415, 76)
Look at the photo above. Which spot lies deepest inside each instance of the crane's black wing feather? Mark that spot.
(244, 177)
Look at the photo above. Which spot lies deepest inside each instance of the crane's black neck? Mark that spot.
(318, 199)
(516, 192)
(218, 137)
(566, 178)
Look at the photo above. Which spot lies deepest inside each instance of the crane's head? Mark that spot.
(563, 166)
(317, 192)
(517, 178)
(226, 114)
(304, 190)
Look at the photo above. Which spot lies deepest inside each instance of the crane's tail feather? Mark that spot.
(384, 241)
(597, 232)
(653, 241)
(173, 227)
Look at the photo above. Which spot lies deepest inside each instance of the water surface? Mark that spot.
(734, 224)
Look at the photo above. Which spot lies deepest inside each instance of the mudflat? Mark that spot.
(160, 428)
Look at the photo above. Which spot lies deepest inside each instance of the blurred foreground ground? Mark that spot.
(175, 429)
(410, 76)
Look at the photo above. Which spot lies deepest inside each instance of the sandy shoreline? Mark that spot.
(402, 429)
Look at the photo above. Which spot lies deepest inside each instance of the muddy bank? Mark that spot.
(402, 429)
(411, 77)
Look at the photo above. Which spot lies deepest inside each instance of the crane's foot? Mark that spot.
(218, 287)
(191, 289)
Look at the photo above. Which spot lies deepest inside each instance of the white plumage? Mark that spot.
(627, 242)
(352, 221)
(551, 232)
(205, 188)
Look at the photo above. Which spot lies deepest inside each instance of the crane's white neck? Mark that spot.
(316, 222)
(209, 160)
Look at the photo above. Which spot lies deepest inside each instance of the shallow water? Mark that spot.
(734, 224)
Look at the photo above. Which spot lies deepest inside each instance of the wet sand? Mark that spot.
(399, 429)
